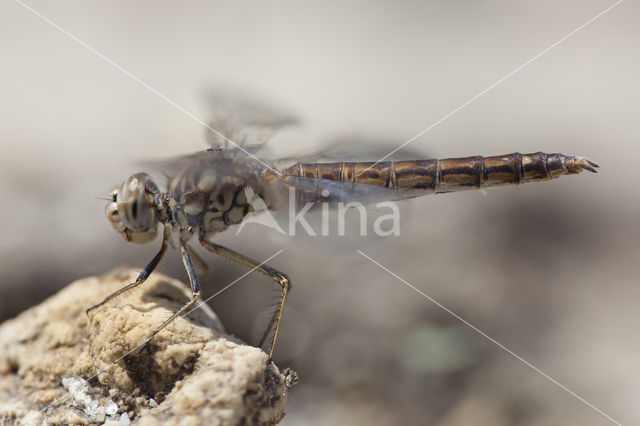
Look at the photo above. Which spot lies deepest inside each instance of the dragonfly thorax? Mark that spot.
(133, 211)
(210, 191)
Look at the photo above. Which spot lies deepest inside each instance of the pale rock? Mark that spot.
(61, 366)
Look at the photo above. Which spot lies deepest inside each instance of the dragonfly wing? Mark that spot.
(222, 162)
(303, 190)
(355, 148)
(354, 212)
(235, 122)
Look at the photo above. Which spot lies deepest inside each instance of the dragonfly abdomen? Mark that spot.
(449, 174)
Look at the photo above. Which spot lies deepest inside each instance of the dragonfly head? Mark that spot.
(132, 210)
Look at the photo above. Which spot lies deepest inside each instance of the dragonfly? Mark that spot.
(210, 191)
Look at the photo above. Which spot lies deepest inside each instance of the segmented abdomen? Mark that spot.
(449, 174)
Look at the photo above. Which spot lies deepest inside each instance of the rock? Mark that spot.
(61, 366)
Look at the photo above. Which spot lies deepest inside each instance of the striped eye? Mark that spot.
(136, 210)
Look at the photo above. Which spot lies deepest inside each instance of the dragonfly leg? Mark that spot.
(198, 260)
(151, 266)
(279, 277)
(195, 294)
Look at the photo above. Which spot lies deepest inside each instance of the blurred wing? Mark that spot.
(305, 190)
(223, 162)
(236, 122)
(355, 148)
(167, 167)
(316, 219)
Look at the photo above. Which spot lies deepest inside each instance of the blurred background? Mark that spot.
(548, 270)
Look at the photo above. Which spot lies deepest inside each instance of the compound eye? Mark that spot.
(133, 207)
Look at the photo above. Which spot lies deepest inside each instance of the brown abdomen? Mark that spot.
(449, 174)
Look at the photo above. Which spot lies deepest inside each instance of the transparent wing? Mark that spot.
(236, 122)
(308, 219)
(223, 162)
(355, 148)
(300, 191)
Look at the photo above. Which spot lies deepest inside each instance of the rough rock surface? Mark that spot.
(60, 366)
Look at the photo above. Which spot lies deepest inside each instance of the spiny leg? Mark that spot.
(151, 266)
(198, 260)
(195, 294)
(278, 277)
(268, 328)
